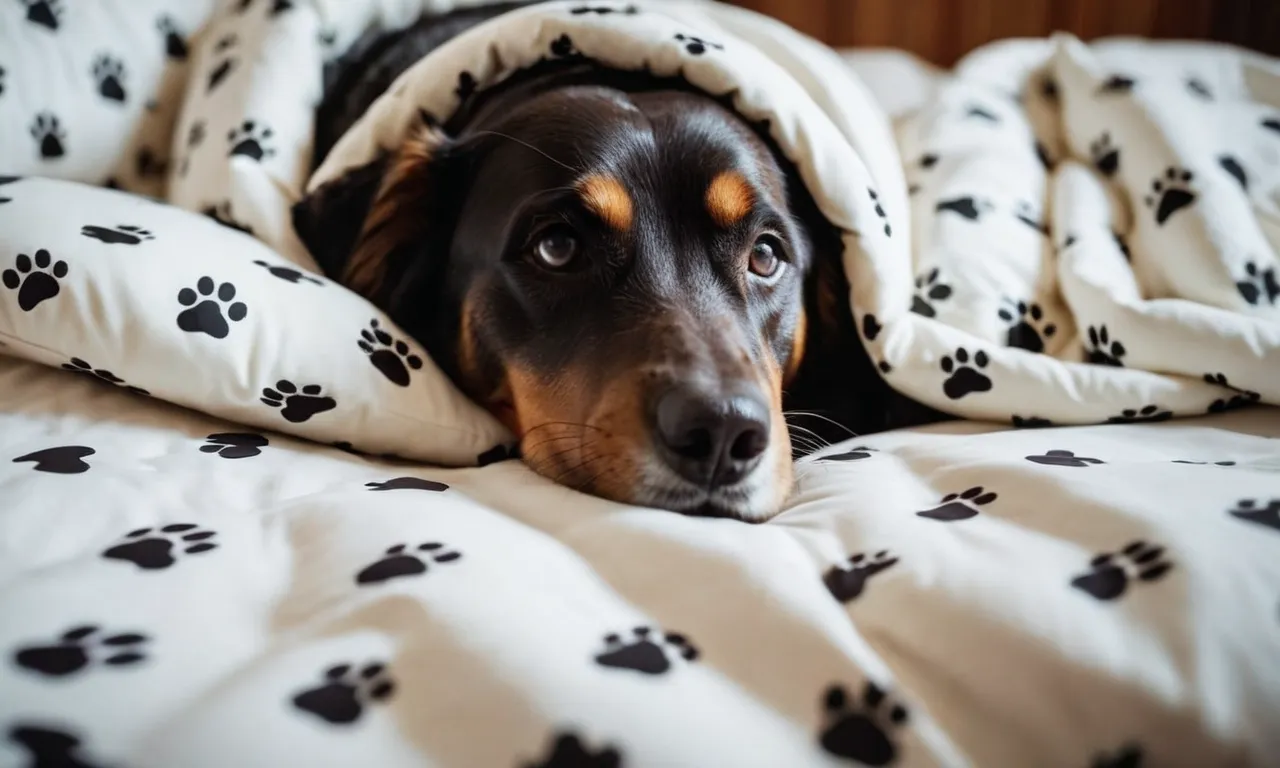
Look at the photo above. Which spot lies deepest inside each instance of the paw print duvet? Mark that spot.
(960, 595)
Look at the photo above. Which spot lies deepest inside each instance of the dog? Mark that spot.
(619, 267)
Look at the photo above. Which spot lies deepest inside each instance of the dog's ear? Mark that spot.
(366, 227)
(329, 220)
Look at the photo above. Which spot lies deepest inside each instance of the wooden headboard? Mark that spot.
(941, 31)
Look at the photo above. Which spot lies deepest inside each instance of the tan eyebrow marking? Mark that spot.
(729, 198)
(609, 199)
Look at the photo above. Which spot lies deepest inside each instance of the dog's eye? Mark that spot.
(556, 248)
(766, 257)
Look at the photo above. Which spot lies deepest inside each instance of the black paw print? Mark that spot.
(603, 10)
(928, 291)
(498, 453)
(1103, 350)
(1250, 510)
(1049, 89)
(196, 134)
(928, 160)
(871, 327)
(388, 354)
(1031, 422)
(696, 45)
(1242, 398)
(1123, 245)
(1042, 154)
(963, 378)
(1106, 157)
(1145, 414)
(861, 731)
(288, 274)
(63, 460)
(80, 366)
(208, 316)
(1060, 458)
(298, 405)
(1170, 194)
(344, 694)
(959, 506)
(406, 484)
(466, 86)
(121, 234)
(221, 213)
(153, 549)
(1259, 285)
(1111, 573)
(108, 73)
(1205, 463)
(853, 454)
(568, 751)
(1271, 124)
(1027, 214)
(1028, 327)
(562, 47)
(50, 747)
(969, 207)
(875, 200)
(1234, 169)
(280, 6)
(33, 279)
(1198, 87)
(250, 140)
(79, 647)
(175, 45)
(149, 164)
(981, 112)
(235, 445)
(847, 584)
(46, 129)
(1117, 84)
(45, 13)
(2, 73)
(644, 652)
(225, 65)
(398, 562)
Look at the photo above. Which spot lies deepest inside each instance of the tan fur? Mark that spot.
(394, 217)
(797, 348)
(729, 198)
(609, 199)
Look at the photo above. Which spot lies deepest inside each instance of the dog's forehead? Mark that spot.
(607, 143)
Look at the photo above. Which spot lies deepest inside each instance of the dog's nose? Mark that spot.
(712, 439)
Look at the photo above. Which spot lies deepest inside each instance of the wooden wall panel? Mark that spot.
(944, 30)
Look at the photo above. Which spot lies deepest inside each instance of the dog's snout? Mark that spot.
(712, 438)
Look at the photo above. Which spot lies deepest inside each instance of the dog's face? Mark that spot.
(619, 277)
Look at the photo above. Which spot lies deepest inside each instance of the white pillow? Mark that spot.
(151, 297)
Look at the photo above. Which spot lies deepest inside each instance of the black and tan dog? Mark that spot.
(619, 267)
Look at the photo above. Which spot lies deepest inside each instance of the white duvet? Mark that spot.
(221, 586)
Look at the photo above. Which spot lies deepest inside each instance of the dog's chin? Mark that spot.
(754, 500)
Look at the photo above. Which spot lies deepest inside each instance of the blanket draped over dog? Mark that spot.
(1064, 234)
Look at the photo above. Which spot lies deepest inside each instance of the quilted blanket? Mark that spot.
(228, 537)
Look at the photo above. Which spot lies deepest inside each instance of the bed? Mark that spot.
(244, 521)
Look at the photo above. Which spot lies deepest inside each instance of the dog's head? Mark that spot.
(619, 275)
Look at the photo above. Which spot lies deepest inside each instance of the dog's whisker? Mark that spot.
(500, 134)
(579, 448)
(813, 415)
